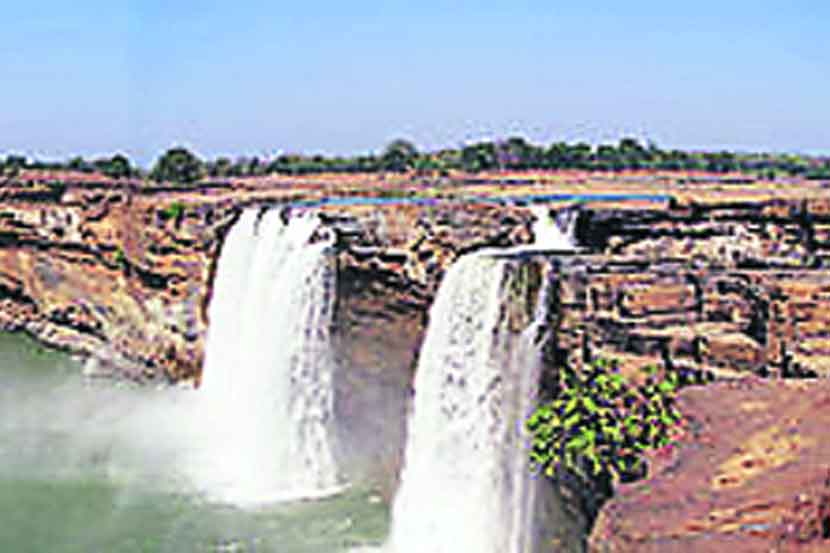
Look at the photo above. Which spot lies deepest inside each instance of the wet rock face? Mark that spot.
(406, 248)
(390, 263)
(750, 474)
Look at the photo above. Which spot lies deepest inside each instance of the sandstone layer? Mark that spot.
(125, 275)
(729, 279)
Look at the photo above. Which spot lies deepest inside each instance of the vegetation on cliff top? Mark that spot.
(179, 165)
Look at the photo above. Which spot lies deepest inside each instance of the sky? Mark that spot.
(344, 77)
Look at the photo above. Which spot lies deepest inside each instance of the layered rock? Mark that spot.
(111, 273)
(668, 312)
(732, 282)
(725, 284)
(717, 232)
(125, 275)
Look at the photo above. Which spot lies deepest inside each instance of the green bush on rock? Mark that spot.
(599, 422)
(172, 211)
(121, 257)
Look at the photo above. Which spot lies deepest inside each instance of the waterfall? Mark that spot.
(465, 484)
(554, 233)
(267, 393)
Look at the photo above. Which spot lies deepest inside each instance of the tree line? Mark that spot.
(180, 165)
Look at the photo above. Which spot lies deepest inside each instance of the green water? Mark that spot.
(85, 467)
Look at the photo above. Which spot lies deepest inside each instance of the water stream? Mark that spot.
(465, 484)
(267, 395)
(93, 467)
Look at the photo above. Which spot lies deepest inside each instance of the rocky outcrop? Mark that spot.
(766, 322)
(111, 273)
(717, 232)
(729, 282)
(125, 275)
(720, 282)
(749, 474)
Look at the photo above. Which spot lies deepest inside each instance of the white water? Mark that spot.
(266, 402)
(465, 483)
(554, 233)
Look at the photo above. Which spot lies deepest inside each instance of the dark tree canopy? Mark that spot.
(399, 155)
(117, 167)
(179, 165)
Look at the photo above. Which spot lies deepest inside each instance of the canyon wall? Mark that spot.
(723, 320)
(125, 274)
(730, 284)
(110, 273)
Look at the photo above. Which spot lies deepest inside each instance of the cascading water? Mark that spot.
(267, 393)
(465, 484)
(554, 233)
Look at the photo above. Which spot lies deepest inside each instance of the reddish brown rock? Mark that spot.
(750, 474)
(753, 320)
(125, 273)
(101, 273)
(730, 279)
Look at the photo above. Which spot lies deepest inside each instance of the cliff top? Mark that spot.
(684, 187)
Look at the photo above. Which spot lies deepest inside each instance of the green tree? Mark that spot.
(14, 164)
(220, 167)
(78, 163)
(556, 156)
(116, 167)
(633, 155)
(429, 165)
(579, 156)
(479, 157)
(368, 163)
(607, 158)
(399, 156)
(720, 162)
(177, 165)
(518, 153)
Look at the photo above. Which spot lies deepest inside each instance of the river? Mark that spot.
(90, 466)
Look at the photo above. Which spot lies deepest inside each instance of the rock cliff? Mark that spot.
(125, 275)
(729, 282)
(112, 273)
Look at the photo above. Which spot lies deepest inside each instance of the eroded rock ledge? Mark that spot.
(108, 271)
(126, 276)
(736, 287)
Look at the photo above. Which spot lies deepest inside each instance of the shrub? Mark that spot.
(121, 257)
(600, 423)
(173, 211)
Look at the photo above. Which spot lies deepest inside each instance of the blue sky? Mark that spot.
(247, 77)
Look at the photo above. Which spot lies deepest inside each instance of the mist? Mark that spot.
(60, 425)
(56, 423)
